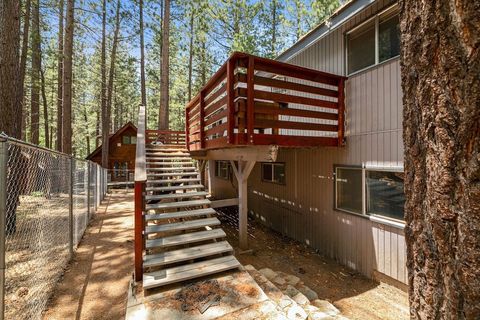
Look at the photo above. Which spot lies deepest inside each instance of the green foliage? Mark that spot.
(209, 30)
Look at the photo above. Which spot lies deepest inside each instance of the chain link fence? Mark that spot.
(46, 201)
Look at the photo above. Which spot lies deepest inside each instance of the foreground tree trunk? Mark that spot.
(9, 67)
(163, 117)
(23, 66)
(35, 75)
(440, 60)
(58, 144)
(67, 80)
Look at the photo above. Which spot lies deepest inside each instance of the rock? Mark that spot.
(309, 293)
(320, 316)
(310, 309)
(279, 280)
(325, 307)
(249, 267)
(268, 273)
(285, 302)
(301, 299)
(292, 280)
(296, 313)
(291, 291)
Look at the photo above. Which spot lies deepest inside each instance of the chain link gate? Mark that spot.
(46, 201)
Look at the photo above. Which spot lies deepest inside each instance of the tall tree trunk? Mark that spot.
(45, 109)
(85, 118)
(67, 79)
(190, 51)
(35, 75)
(163, 117)
(9, 67)
(440, 66)
(142, 57)
(23, 67)
(113, 57)
(58, 145)
(273, 42)
(103, 66)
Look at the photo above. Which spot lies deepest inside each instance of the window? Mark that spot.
(388, 37)
(348, 186)
(273, 172)
(129, 139)
(222, 169)
(384, 193)
(374, 41)
(370, 192)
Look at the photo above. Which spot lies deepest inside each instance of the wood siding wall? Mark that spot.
(303, 208)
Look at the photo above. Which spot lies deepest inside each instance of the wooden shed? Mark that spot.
(121, 153)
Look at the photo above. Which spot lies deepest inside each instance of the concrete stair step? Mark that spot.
(171, 169)
(182, 195)
(172, 174)
(185, 238)
(188, 272)
(180, 255)
(167, 181)
(180, 214)
(175, 188)
(178, 204)
(182, 226)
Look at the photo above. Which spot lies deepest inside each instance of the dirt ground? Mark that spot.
(94, 285)
(356, 296)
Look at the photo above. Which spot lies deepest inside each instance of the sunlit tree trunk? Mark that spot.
(58, 145)
(163, 117)
(103, 63)
(142, 56)
(35, 75)
(440, 66)
(23, 66)
(67, 79)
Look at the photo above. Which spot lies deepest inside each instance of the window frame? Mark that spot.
(364, 213)
(273, 164)
(217, 175)
(376, 18)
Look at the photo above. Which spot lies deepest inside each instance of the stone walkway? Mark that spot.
(95, 283)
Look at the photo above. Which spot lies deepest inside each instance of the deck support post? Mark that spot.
(211, 176)
(242, 171)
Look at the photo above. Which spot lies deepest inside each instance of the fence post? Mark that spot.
(88, 190)
(3, 214)
(70, 207)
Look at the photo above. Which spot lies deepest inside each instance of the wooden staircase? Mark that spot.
(182, 239)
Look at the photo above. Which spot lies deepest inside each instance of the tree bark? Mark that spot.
(35, 75)
(190, 51)
(23, 67)
(113, 57)
(163, 116)
(440, 66)
(9, 67)
(45, 109)
(103, 66)
(58, 145)
(67, 79)
(142, 57)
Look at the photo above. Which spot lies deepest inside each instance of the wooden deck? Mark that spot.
(258, 101)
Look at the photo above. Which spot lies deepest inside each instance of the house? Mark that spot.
(121, 153)
(335, 182)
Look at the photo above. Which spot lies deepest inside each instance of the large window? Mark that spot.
(222, 169)
(374, 41)
(384, 193)
(370, 192)
(348, 186)
(273, 172)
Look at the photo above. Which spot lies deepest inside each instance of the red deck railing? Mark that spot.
(165, 136)
(258, 101)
